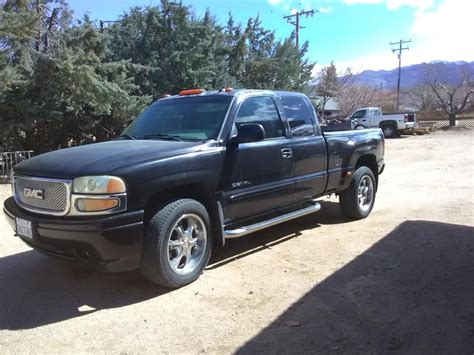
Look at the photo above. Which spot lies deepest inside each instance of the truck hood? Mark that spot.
(101, 158)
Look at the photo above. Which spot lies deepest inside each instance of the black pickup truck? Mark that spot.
(192, 170)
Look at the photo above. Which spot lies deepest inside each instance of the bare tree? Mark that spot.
(350, 95)
(452, 97)
(422, 98)
(327, 86)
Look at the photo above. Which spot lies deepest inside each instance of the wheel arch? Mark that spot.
(370, 161)
(197, 191)
(388, 122)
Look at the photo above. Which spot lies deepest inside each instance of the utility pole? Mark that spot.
(400, 49)
(296, 22)
(102, 23)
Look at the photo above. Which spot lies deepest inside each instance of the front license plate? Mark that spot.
(24, 228)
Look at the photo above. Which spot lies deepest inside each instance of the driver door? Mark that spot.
(258, 175)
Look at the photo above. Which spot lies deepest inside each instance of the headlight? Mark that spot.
(98, 195)
(98, 185)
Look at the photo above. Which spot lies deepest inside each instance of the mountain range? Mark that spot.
(412, 75)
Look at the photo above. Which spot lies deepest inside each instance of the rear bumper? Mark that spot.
(110, 243)
(406, 126)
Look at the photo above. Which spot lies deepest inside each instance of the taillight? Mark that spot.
(406, 118)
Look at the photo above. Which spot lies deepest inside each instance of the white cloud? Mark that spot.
(325, 9)
(393, 4)
(376, 61)
(438, 33)
(352, 2)
(300, 4)
(446, 32)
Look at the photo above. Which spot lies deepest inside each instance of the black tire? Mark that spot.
(359, 127)
(389, 130)
(349, 198)
(165, 228)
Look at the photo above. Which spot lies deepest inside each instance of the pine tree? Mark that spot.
(65, 83)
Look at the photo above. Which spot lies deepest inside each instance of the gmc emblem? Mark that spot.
(33, 193)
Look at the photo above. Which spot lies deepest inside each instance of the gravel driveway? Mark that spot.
(401, 280)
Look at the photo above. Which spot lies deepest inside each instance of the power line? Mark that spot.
(296, 22)
(400, 49)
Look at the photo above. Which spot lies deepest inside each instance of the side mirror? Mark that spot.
(248, 133)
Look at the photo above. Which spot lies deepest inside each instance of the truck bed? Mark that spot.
(345, 148)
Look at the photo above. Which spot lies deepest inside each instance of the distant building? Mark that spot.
(331, 109)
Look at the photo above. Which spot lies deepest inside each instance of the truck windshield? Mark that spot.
(190, 118)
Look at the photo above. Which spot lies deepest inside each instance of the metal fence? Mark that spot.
(439, 123)
(8, 160)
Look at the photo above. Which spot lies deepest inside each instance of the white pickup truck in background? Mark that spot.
(391, 125)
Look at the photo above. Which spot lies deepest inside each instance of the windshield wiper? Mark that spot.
(127, 136)
(165, 136)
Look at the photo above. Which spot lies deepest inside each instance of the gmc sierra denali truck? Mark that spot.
(192, 170)
(391, 125)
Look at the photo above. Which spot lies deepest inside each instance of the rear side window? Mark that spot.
(374, 112)
(299, 116)
(261, 110)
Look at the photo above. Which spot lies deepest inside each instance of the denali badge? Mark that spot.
(33, 193)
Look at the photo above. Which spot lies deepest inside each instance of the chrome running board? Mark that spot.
(239, 232)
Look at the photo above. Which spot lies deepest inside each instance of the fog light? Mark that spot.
(96, 204)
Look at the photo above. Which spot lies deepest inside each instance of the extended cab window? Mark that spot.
(374, 112)
(187, 118)
(299, 116)
(261, 110)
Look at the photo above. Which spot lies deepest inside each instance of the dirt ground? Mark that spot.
(401, 280)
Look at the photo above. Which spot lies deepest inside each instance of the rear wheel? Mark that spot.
(177, 244)
(389, 131)
(358, 199)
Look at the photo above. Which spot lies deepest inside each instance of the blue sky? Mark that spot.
(354, 33)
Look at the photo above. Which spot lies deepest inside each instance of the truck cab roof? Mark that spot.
(229, 92)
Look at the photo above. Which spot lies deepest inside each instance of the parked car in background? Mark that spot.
(391, 125)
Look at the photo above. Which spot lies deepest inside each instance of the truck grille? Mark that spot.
(42, 195)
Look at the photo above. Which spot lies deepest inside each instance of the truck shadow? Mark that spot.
(37, 290)
(412, 292)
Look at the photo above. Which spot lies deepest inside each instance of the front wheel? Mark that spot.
(177, 244)
(358, 199)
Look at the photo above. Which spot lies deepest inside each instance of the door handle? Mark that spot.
(286, 153)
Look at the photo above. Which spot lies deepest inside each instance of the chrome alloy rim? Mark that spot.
(365, 193)
(388, 131)
(187, 243)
